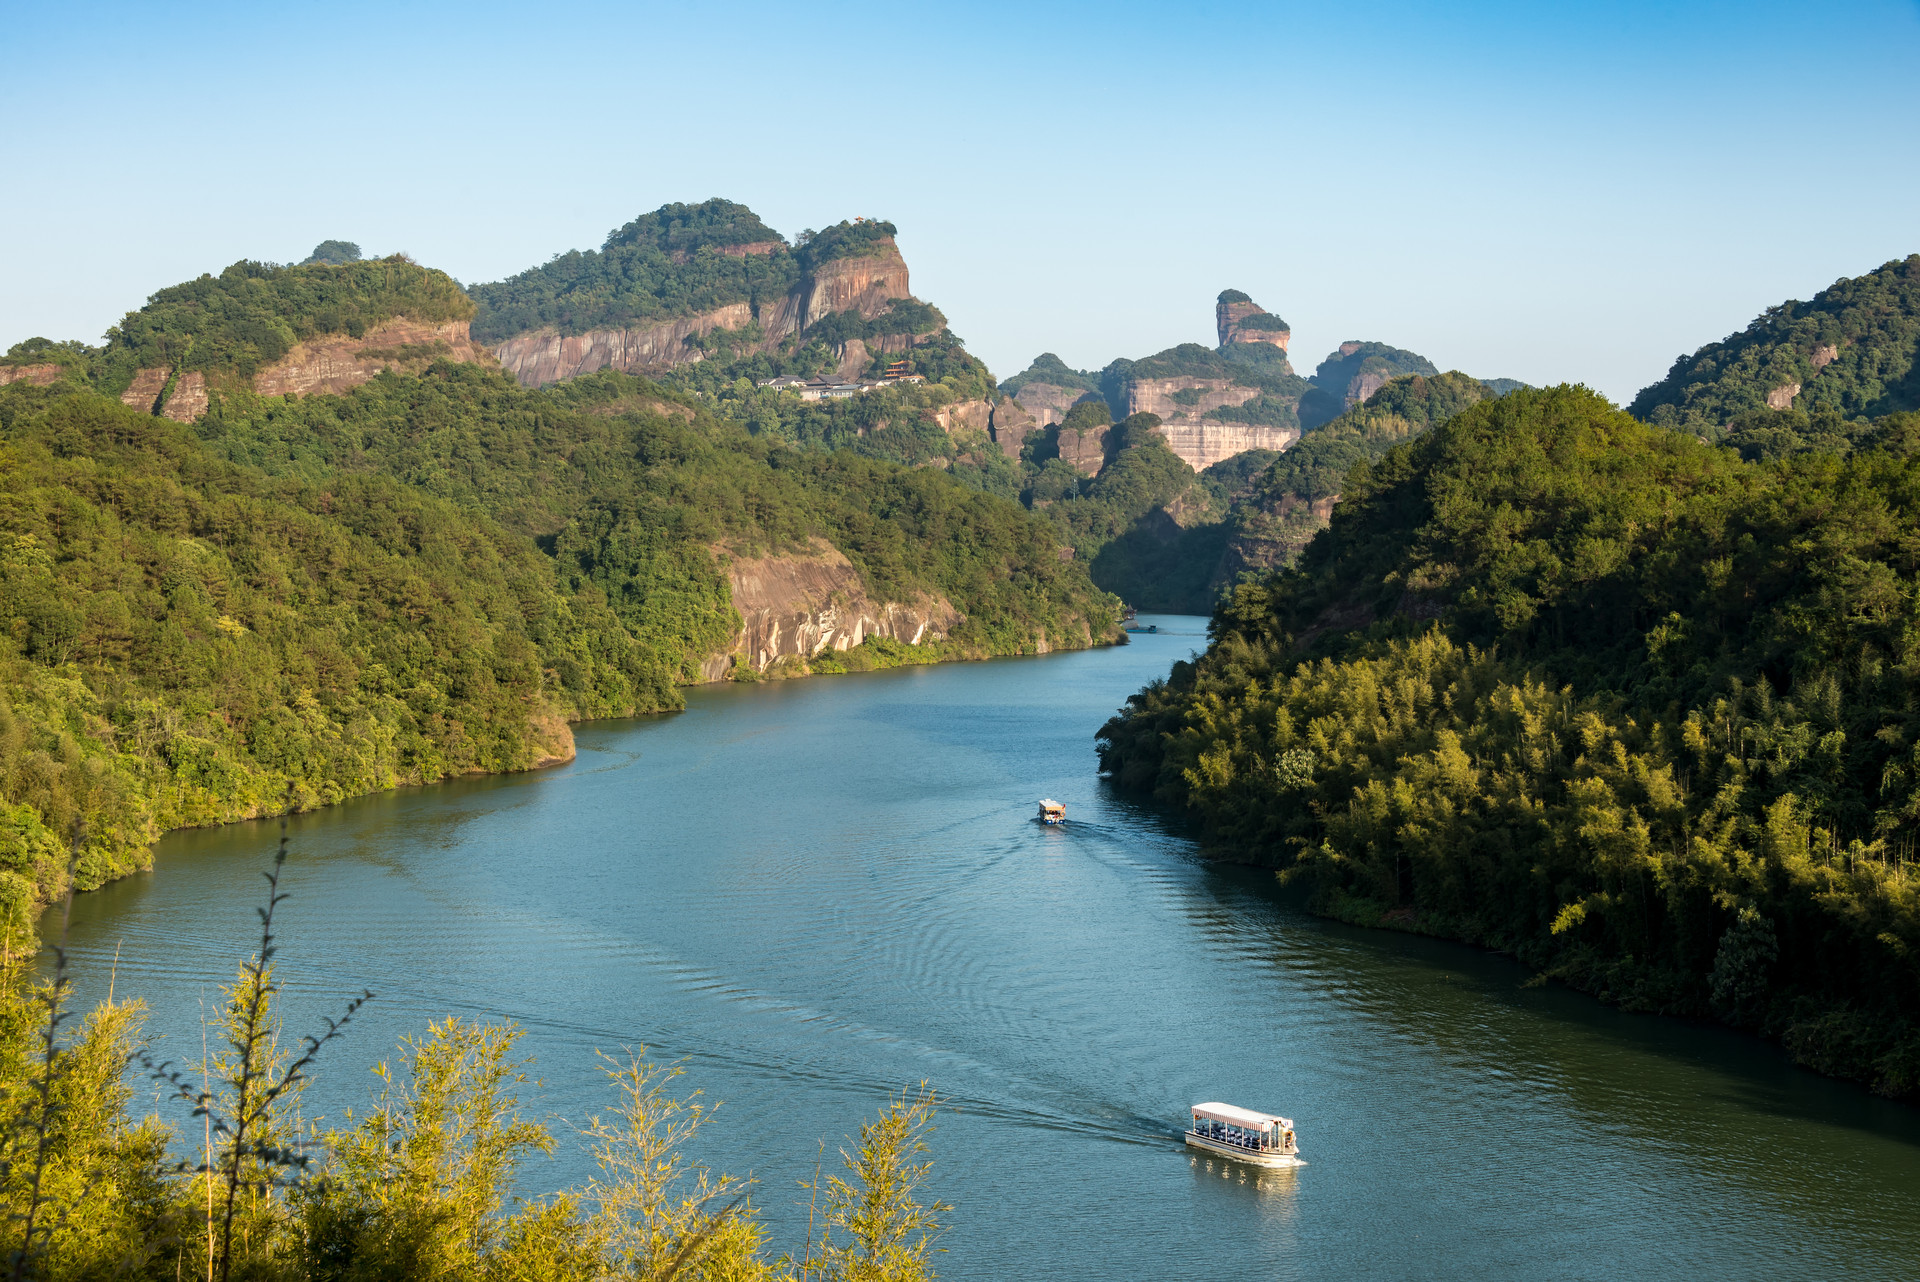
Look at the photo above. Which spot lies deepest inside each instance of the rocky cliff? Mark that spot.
(547, 356)
(1238, 319)
(1202, 444)
(339, 363)
(1185, 398)
(798, 604)
(37, 375)
(866, 283)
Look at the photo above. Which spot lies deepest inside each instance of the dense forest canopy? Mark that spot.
(1601, 695)
(252, 314)
(1854, 350)
(684, 229)
(332, 253)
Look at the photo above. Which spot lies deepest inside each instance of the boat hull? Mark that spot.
(1252, 1157)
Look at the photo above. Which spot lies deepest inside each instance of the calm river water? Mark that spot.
(816, 892)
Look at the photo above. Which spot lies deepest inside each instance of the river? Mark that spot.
(816, 892)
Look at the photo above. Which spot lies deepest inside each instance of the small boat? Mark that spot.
(1052, 812)
(1151, 627)
(1260, 1139)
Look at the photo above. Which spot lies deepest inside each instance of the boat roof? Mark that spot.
(1242, 1117)
(1051, 804)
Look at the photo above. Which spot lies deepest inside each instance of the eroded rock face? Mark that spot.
(800, 604)
(144, 393)
(188, 400)
(1085, 448)
(338, 363)
(867, 285)
(1825, 355)
(1230, 321)
(1048, 403)
(1781, 398)
(1011, 425)
(1361, 386)
(965, 416)
(37, 375)
(1185, 397)
(1202, 445)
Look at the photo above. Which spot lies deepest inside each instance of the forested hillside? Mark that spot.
(297, 599)
(1853, 351)
(1601, 695)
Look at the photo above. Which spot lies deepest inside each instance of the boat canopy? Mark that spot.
(1242, 1117)
(1048, 803)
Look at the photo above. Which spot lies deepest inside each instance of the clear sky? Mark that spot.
(1541, 191)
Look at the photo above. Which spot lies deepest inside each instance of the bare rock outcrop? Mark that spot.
(798, 604)
(867, 284)
(36, 375)
(1011, 425)
(1085, 448)
(1048, 403)
(965, 416)
(1202, 445)
(339, 363)
(144, 393)
(188, 400)
(1781, 398)
(1185, 397)
(1825, 355)
(1236, 323)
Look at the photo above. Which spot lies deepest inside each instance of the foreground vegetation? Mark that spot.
(427, 1184)
(1642, 712)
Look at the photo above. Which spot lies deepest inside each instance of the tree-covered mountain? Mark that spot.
(298, 598)
(1853, 351)
(1351, 374)
(1599, 694)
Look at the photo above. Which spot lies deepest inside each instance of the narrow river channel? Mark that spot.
(816, 892)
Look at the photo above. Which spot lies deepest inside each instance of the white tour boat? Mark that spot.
(1261, 1139)
(1052, 812)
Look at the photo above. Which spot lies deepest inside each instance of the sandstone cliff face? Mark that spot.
(144, 394)
(1164, 396)
(188, 400)
(1085, 448)
(1202, 445)
(1781, 398)
(1361, 386)
(1825, 355)
(798, 604)
(965, 416)
(1048, 403)
(1010, 426)
(1230, 322)
(337, 363)
(867, 285)
(37, 375)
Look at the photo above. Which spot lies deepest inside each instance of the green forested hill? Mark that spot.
(670, 263)
(1853, 351)
(1601, 695)
(185, 641)
(297, 600)
(1287, 504)
(252, 314)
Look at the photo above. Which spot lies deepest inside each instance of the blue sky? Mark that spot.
(1535, 191)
